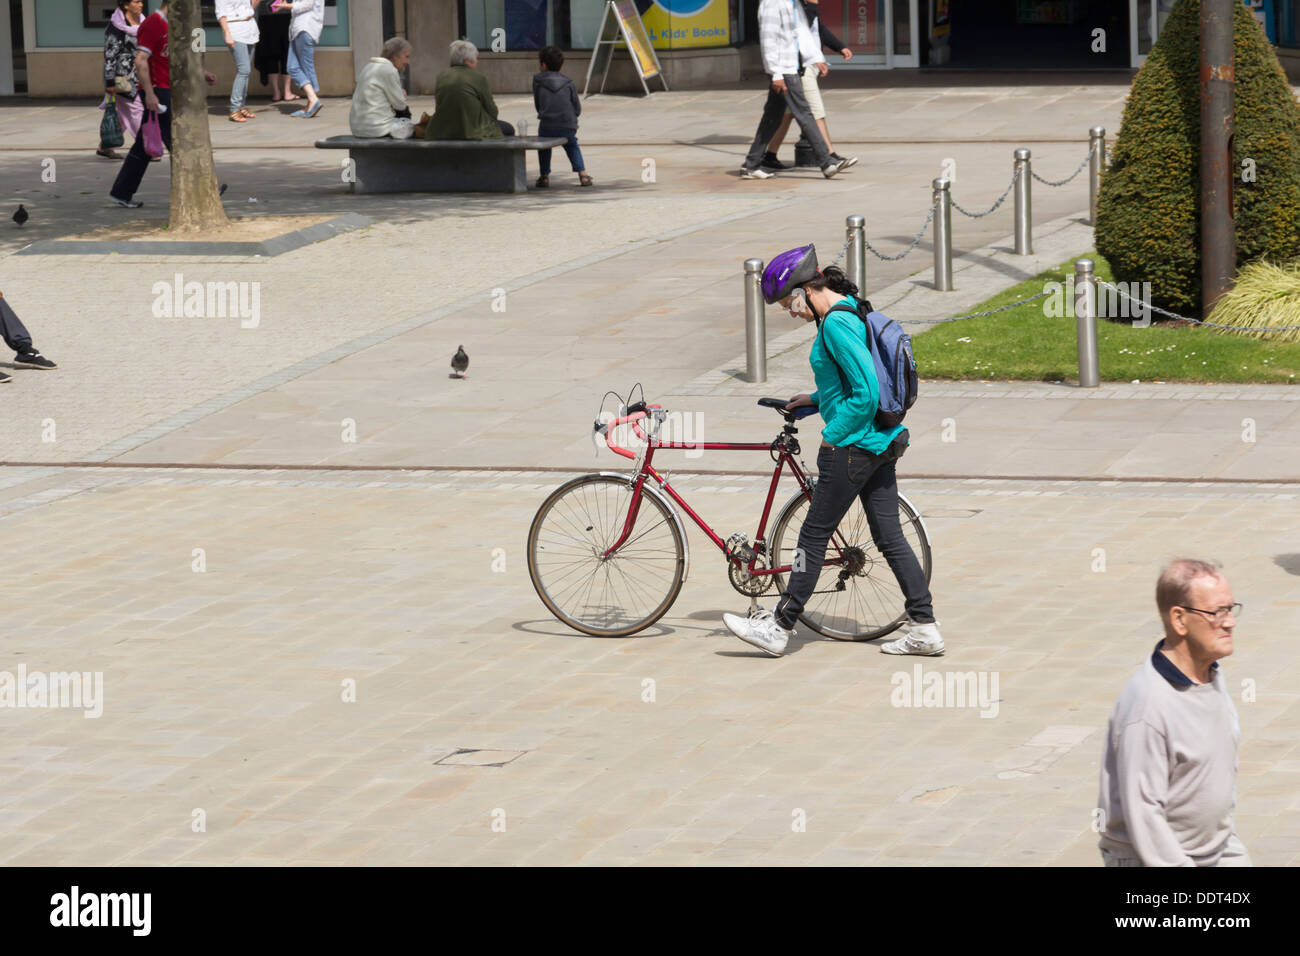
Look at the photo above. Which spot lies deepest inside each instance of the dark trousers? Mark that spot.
(570, 149)
(774, 112)
(137, 161)
(845, 474)
(14, 332)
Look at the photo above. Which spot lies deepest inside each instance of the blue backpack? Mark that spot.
(891, 348)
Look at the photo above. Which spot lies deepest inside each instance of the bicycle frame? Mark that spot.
(645, 470)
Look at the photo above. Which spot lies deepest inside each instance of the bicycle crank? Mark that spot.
(750, 585)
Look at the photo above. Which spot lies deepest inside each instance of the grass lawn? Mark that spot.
(1024, 343)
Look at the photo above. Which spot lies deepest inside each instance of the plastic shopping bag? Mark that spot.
(152, 133)
(110, 130)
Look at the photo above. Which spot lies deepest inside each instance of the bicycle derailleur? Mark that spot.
(739, 554)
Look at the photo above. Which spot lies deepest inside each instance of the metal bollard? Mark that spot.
(1097, 143)
(755, 323)
(1085, 322)
(1024, 217)
(855, 232)
(942, 235)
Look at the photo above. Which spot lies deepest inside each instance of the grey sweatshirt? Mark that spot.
(556, 99)
(1169, 772)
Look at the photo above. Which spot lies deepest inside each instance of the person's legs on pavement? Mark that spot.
(799, 107)
(880, 500)
(302, 70)
(834, 494)
(243, 54)
(770, 160)
(773, 110)
(17, 337)
(574, 152)
(136, 163)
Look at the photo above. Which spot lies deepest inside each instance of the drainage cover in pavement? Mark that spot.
(480, 758)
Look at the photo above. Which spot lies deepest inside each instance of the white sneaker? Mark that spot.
(833, 167)
(756, 173)
(761, 630)
(923, 640)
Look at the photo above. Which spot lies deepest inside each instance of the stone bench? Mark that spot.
(387, 165)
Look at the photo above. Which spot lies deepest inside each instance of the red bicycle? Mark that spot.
(608, 552)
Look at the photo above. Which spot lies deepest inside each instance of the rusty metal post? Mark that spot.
(1218, 232)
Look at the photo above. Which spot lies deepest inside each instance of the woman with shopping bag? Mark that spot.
(121, 85)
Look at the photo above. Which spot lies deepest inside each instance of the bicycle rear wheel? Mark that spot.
(858, 598)
(613, 596)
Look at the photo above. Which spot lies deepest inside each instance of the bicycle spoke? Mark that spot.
(617, 592)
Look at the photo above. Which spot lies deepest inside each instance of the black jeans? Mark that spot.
(774, 112)
(14, 332)
(137, 161)
(846, 473)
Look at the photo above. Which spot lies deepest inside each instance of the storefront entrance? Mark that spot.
(1028, 34)
(13, 59)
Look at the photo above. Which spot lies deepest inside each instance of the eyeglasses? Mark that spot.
(796, 300)
(1215, 616)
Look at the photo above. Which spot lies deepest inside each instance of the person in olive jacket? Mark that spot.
(465, 107)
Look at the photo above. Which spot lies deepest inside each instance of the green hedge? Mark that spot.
(1148, 211)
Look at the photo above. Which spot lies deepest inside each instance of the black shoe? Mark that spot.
(771, 162)
(850, 161)
(5, 378)
(33, 360)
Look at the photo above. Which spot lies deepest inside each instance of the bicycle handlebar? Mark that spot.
(635, 413)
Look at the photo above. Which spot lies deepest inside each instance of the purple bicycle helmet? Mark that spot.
(788, 271)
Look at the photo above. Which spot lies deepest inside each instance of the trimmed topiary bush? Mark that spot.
(1148, 211)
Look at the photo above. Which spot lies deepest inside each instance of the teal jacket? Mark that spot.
(848, 392)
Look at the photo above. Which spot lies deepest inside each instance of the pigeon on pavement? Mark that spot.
(21, 216)
(460, 362)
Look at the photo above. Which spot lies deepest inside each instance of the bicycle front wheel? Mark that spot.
(605, 596)
(857, 597)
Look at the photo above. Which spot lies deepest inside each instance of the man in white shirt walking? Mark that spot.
(784, 37)
(1169, 772)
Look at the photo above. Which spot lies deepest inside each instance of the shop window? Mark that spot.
(508, 25)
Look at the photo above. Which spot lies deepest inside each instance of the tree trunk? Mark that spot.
(195, 200)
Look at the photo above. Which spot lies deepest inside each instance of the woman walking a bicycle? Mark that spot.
(856, 459)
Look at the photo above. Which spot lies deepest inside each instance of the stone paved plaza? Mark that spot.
(296, 552)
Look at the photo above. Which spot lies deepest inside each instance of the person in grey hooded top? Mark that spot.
(556, 99)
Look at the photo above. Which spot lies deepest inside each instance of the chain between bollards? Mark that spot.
(755, 323)
(1024, 217)
(1085, 323)
(1096, 163)
(855, 228)
(942, 234)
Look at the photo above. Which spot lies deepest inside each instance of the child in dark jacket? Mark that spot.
(556, 99)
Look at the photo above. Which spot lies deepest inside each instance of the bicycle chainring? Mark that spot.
(748, 584)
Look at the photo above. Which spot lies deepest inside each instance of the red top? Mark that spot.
(152, 39)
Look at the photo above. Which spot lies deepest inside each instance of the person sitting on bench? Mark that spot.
(379, 103)
(465, 107)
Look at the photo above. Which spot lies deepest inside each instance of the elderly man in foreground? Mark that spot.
(379, 103)
(465, 107)
(1169, 772)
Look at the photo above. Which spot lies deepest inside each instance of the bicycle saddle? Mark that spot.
(780, 403)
